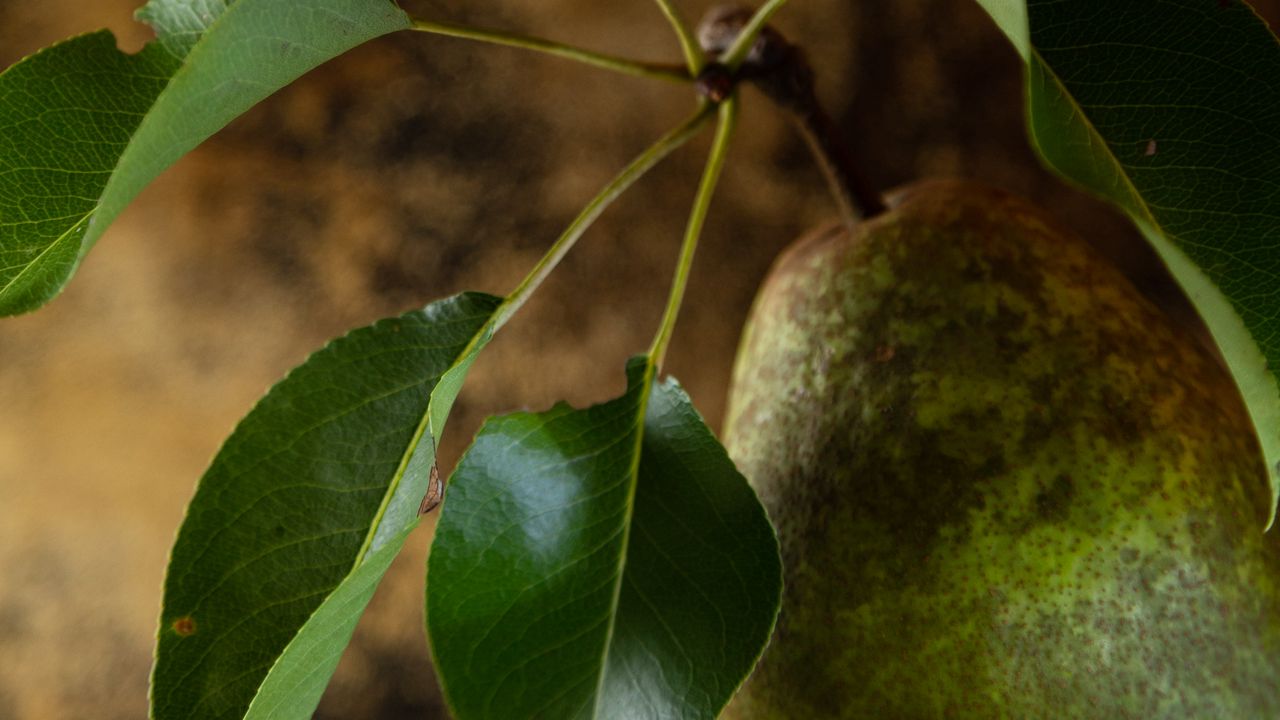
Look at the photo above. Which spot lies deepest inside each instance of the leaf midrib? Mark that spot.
(26, 267)
(646, 382)
(473, 346)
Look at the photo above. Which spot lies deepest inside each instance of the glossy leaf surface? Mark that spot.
(301, 512)
(1171, 110)
(84, 127)
(600, 563)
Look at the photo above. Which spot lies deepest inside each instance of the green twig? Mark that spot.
(638, 167)
(693, 56)
(669, 73)
(697, 216)
(741, 47)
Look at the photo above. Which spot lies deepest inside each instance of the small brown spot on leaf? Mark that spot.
(185, 626)
(884, 353)
(1151, 148)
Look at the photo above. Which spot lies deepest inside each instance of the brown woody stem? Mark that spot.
(783, 73)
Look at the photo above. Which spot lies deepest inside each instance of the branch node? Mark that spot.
(782, 72)
(715, 82)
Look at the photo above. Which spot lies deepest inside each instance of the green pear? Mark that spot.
(1004, 484)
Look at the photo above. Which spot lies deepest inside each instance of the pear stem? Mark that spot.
(848, 187)
(755, 52)
(669, 73)
(790, 85)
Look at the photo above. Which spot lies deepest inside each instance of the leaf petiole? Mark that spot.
(632, 172)
(697, 216)
(741, 47)
(693, 55)
(669, 73)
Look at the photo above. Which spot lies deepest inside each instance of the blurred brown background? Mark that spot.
(412, 168)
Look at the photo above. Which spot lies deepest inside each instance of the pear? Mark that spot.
(1004, 484)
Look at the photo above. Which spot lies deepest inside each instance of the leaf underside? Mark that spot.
(84, 127)
(1171, 110)
(301, 512)
(600, 563)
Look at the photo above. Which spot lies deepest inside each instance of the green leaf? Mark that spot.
(1171, 110)
(1011, 16)
(600, 563)
(84, 127)
(293, 687)
(301, 512)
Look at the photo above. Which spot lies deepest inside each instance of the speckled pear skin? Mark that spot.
(1004, 485)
